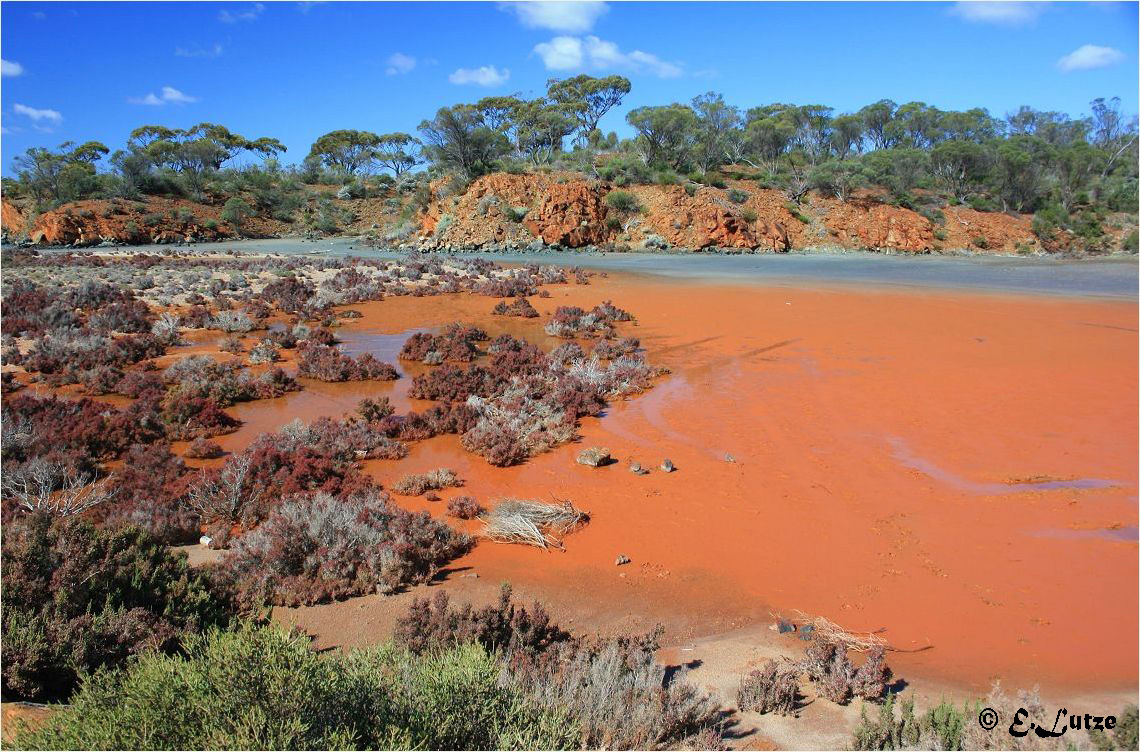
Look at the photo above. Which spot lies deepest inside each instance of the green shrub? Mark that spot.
(516, 213)
(1131, 242)
(749, 215)
(150, 220)
(625, 169)
(623, 201)
(667, 177)
(737, 196)
(260, 688)
(716, 182)
(210, 224)
(77, 599)
(935, 216)
(1124, 736)
(236, 211)
(691, 189)
(795, 212)
(980, 242)
(940, 235)
(613, 223)
(943, 726)
(981, 203)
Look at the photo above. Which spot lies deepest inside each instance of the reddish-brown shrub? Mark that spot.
(201, 449)
(188, 418)
(519, 307)
(434, 624)
(329, 364)
(464, 508)
(456, 342)
(150, 492)
(827, 664)
(608, 349)
(773, 688)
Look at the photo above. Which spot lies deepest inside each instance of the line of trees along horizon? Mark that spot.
(1069, 170)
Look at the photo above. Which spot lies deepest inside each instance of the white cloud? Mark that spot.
(570, 53)
(573, 16)
(307, 5)
(50, 116)
(487, 75)
(1089, 56)
(168, 95)
(213, 51)
(998, 12)
(246, 15)
(9, 68)
(399, 64)
(561, 53)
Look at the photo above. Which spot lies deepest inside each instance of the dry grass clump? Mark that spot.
(533, 523)
(773, 688)
(415, 484)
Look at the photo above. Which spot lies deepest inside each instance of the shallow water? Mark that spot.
(1108, 277)
(906, 457)
(1125, 534)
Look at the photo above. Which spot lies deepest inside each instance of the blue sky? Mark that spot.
(81, 71)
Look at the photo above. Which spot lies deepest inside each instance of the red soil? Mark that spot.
(828, 401)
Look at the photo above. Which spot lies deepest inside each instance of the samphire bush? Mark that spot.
(77, 599)
(319, 547)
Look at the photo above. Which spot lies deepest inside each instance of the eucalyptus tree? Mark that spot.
(350, 151)
(717, 122)
(665, 134)
(591, 98)
(457, 139)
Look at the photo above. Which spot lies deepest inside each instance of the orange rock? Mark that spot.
(570, 214)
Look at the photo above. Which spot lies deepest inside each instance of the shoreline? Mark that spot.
(1111, 277)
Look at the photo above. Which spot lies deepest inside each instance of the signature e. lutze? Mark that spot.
(1076, 722)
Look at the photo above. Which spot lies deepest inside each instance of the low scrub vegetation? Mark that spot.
(416, 484)
(572, 321)
(318, 547)
(266, 689)
(455, 343)
(77, 599)
(773, 688)
(520, 307)
(326, 363)
(615, 694)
